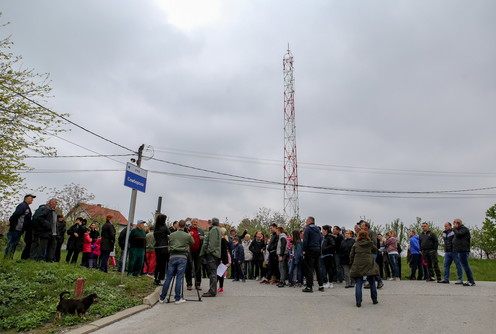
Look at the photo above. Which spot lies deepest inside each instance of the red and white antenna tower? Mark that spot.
(291, 205)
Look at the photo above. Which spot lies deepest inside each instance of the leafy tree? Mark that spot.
(295, 223)
(26, 125)
(401, 232)
(70, 197)
(261, 221)
(488, 233)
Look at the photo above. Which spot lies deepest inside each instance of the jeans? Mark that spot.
(463, 259)
(105, 256)
(292, 268)
(448, 258)
(358, 288)
(415, 264)
(177, 266)
(14, 238)
(393, 259)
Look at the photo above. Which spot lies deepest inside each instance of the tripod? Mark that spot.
(193, 272)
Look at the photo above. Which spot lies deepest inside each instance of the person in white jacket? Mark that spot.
(248, 265)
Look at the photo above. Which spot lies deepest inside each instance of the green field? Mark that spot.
(483, 270)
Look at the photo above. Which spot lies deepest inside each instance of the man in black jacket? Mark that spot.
(461, 247)
(449, 255)
(273, 272)
(428, 246)
(122, 244)
(61, 229)
(18, 223)
(44, 228)
(311, 254)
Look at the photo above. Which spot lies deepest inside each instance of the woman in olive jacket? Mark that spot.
(363, 264)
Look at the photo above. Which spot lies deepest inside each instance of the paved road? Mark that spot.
(404, 307)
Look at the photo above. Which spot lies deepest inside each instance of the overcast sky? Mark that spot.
(390, 96)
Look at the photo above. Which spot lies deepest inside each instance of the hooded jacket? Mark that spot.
(311, 238)
(43, 220)
(361, 259)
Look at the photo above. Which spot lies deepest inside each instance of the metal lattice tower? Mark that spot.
(291, 205)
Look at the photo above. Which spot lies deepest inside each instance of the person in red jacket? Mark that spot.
(86, 248)
(95, 253)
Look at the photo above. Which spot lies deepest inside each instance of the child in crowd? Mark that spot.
(295, 278)
(95, 254)
(238, 260)
(86, 247)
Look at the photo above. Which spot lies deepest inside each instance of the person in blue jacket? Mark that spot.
(415, 262)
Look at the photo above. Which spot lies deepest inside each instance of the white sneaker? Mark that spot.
(161, 301)
(331, 285)
(180, 301)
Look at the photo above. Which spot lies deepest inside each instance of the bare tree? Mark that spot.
(70, 197)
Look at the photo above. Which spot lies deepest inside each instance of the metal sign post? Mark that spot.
(134, 178)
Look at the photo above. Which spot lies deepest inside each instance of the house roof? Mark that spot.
(97, 210)
(203, 224)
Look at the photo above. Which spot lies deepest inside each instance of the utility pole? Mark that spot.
(132, 208)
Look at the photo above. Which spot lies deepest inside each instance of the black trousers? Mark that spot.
(193, 265)
(274, 265)
(311, 263)
(162, 258)
(72, 256)
(430, 256)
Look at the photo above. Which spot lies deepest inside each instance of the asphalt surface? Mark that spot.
(404, 307)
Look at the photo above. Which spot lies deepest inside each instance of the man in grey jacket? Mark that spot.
(44, 228)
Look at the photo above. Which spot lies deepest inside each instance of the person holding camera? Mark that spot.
(179, 243)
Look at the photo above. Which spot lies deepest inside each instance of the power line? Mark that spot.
(264, 185)
(78, 156)
(377, 191)
(321, 166)
(69, 121)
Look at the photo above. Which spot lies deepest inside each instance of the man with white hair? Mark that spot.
(210, 252)
(44, 225)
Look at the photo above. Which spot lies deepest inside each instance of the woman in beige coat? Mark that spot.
(363, 264)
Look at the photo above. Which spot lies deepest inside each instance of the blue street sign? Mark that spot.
(135, 177)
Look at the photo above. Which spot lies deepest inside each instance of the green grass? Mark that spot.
(483, 270)
(29, 294)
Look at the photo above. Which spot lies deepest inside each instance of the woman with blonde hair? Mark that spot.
(363, 264)
(393, 254)
(225, 256)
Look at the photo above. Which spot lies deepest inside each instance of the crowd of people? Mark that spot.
(328, 254)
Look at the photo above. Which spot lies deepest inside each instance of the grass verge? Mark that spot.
(29, 294)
